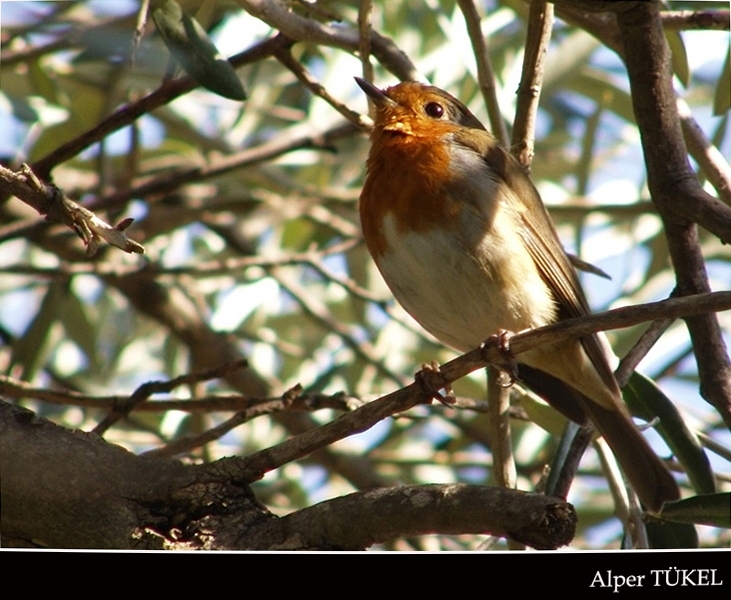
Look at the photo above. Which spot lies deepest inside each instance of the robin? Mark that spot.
(465, 244)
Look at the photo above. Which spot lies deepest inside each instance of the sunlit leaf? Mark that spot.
(679, 56)
(722, 99)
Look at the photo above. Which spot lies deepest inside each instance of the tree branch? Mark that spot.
(539, 521)
(296, 139)
(27, 453)
(485, 72)
(540, 24)
(69, 489)
(254, 467)
(52, 203)
(298, 28)
(590, 15)
(675, 190)
(142, 393)
(684, 20)
(127, 114)
(284, 55)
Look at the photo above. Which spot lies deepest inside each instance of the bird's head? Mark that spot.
(416, 109)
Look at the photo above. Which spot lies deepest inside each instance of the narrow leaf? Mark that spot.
(191, 46)
(647, 401)
(722, 98)
(680, 57)
(704, 509)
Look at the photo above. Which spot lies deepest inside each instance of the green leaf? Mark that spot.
(191, 46)
(722, 98)
(704, 509)
(78, 327)
(21, 109)
(647, 401)
(671, 536)
(30, 349)
(43, 85)
(680, 56)
(543, 415)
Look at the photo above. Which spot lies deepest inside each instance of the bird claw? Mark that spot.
(509, 366)
(431, 380)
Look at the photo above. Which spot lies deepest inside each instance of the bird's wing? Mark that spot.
(542, 242)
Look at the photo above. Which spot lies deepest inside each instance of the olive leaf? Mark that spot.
(194, 50)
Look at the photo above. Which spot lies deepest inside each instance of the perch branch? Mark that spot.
(256, 465)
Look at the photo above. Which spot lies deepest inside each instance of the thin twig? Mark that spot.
(278, 15)
(138, 31)
(503, 472)
(284, 55)
(709, 157)
(633, 358)
(188, 443)
(323, 316)
(142, 393)
(307, 401)
(298, 138)
(201, 270)
(365, 11)
(684, 20)
(485, 72)
(503, 462)
(52, 203)
(540, 24)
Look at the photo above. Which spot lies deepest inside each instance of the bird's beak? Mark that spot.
(378, 96)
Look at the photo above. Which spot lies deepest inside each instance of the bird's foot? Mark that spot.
(431, 379)
(508, 365)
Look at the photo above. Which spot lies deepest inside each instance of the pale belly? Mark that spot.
(459, 298)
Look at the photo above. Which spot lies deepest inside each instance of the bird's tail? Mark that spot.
(646, 473)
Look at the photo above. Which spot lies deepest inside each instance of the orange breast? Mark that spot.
(406, 178)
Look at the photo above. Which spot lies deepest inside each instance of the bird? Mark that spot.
(463, 240)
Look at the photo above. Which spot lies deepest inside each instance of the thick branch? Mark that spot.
(674, 188)
(590, 15)
(384, 514)
(69, 489)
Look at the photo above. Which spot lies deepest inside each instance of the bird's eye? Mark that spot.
(434, 110)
